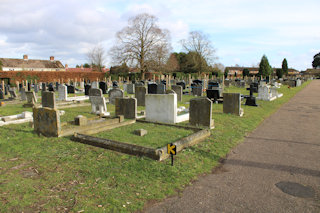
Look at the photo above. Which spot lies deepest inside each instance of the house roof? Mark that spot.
(30, 63)
(313, 71)
(79, 69)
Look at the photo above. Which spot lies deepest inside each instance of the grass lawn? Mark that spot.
(158, 136)
(59, 175)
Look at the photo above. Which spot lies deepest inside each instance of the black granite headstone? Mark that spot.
(183, 84)
(87, 87)
(70, 89)
(152, 88)
(103, 86)
(213, 94)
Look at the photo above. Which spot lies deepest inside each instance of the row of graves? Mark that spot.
(161, 108)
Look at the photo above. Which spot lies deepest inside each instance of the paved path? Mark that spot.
(285, 147)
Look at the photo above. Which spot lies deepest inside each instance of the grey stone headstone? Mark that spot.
(126, 107)
(95, 85)
(232, 103)
(31, 97)
(95, 92)
(178, 90)
(200, 112)
(48, 99)
(161, 89)
(36, 88)
(23, 94)
(140, 95)
(130, 88)
(13, 94)
(115, 93)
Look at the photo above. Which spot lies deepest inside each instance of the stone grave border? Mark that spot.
(159, 154)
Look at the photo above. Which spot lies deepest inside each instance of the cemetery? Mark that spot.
(128, 127)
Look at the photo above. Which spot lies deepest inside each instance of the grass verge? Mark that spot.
(57, 174)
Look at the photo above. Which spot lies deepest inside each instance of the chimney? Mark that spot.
(25, 57)
(66, 66)
(51, 58)
(81, 66)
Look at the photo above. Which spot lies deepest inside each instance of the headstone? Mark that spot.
(140, 95)
(214, 94)
(12, 94)
(130, 88)
(46, 121)
(1, 94)
(196, 89)
(94, 85)
(201, 112)
(98, 105)
(212, 84)
(126, 107)
(152, 88)
(70, 89)
(161, 89)
(31, 98)
(29, 87)
(298, 83)
(95, 92)
(82, 85)
(115, 84)
(251, 100)
(103, 86)
(36, 88)
(178, 90)
(264, 93)
(44, 87)
(23, 94)
(57, 86)
(163, 108)
(48, 99)
(115, 93)
(51, 88)
(87, 87)
(232, 103)
(62, 92)
(183, 84)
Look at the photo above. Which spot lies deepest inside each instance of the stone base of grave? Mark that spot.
(28, 105)
(156, 154)
(267, 99)
(251, 101)
(279, 95)
(96, 126)
(241, 112)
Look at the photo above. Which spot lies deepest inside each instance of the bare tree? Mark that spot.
(138, 43)
(200, 44)
(96, 57)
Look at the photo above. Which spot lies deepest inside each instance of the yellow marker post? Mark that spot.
(172, 149)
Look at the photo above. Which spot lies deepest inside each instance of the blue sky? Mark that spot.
(241, 30)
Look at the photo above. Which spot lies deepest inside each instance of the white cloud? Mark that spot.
(241, 29)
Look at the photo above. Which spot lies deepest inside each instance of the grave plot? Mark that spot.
(152, 144)
(16, 119)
